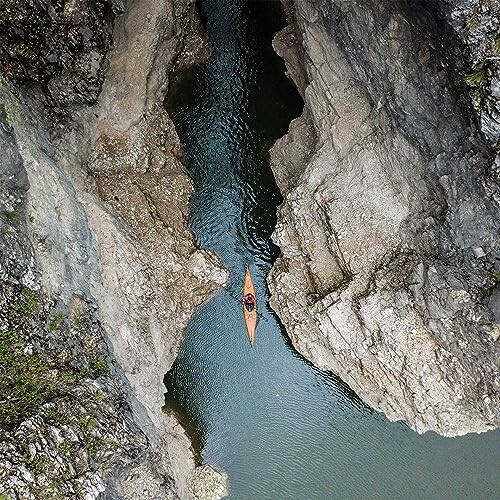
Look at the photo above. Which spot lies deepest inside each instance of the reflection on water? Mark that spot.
(279, 427)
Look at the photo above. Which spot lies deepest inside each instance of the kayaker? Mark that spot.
(249, 302)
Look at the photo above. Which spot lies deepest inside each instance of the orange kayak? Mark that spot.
(250, 316)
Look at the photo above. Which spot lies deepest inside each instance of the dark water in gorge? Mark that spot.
(279, 427)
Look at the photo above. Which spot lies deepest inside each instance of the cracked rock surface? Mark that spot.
(389, 228)
(99, 272)
(477, 24)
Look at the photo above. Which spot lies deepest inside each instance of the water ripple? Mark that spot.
(279, 427)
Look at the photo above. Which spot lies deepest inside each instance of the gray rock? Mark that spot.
(101, 240)
(379, 279)
(60, 45)
(476, 23)
(208, 484)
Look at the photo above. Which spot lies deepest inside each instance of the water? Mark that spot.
(280, 428)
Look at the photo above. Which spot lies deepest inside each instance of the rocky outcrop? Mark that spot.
(389, 227)
(59, 45)
(477, 24)
(99, 270)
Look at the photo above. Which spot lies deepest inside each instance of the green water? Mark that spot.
(280, 428)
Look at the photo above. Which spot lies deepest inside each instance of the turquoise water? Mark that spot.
(280, 428)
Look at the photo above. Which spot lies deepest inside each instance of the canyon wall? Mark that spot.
(99, 272)
(390, 221)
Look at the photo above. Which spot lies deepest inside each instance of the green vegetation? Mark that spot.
(92, 443)
(4, 497)
(10, 105)
(11, 112)
(63, 448)
(27, 304)
(99, 366)
(11, 108)
(472, 24)
(28, 379)
(56, 416)
(86, 424)
(71, 376)
(78, 322)
(52, 490)
(37, 464)
(13, 215)
(25, 380)
(478, 94)
(55, 322)
(97, 397)
(477, 77)
(496, 44)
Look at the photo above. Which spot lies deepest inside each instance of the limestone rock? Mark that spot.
(207, 483)
(389, 195)
(93, 221)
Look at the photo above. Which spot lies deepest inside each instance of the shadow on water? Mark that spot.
(279, 427)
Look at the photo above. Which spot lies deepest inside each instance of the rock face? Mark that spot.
(59, 44)
(389, 227)
(99, 272)
(477, 22)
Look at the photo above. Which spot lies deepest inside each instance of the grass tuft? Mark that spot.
(25, 380)
(38, 464)
(13, 215)
(63, 448)
(56, 416)
(496, 44)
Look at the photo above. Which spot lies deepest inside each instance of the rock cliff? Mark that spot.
(99, 272)
(390, 222)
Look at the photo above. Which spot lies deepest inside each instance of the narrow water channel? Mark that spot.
(280, 428)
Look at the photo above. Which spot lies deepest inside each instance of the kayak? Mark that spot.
(250, 316)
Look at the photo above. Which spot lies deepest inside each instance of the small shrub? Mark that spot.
(496, 44)
(86, 424)
(97, 397)
(69, 377)
(78, 322)
(98, 365)
(472, 23)
(38, 464)
(55, 322)
(13, 215)
(55, 415)
(93, 444)
(477, 77)
(63, 448)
